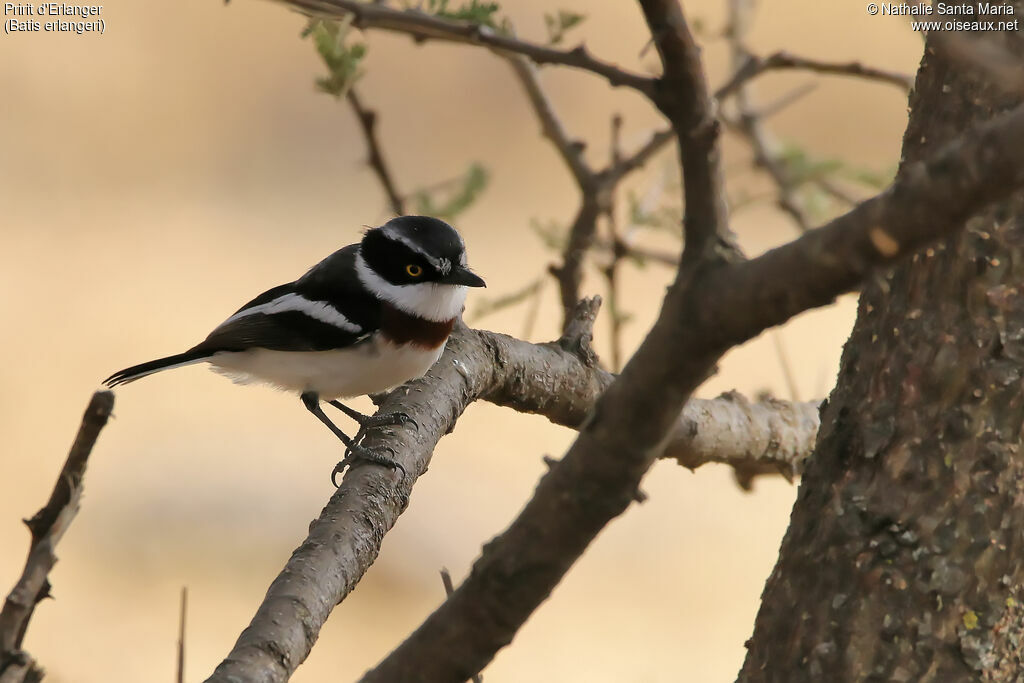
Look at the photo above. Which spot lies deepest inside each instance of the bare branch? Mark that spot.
(368, 121)
(618, 252)
(423, 26)
(683, 97)
(748, 122)
(570, 150)
(704, 314)
(582, 234)
(769, 436)
(713, 304)
(755, 66)
(643, 253)
(180, 678)
(637, 159)
(47, 527)
(597, 189)
(550, 379)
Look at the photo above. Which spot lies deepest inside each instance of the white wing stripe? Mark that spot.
(319, 310)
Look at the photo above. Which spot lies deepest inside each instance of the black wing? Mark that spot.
(327, 308)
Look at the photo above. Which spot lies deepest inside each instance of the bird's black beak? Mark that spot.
(461, 275)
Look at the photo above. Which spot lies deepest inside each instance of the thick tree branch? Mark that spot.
(713, 305)
(557, 380)
(423, 26)
(368, 123)
(703, 316)
(47, 527)
(928, 200)
(626, 431)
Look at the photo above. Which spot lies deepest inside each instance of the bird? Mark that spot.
(368, 318)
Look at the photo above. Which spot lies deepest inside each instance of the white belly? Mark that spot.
(367, 368)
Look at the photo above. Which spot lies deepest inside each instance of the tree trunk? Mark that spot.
(903, 557)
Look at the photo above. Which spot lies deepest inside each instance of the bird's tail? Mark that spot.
(142, 369)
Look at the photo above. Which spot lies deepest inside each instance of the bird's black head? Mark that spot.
(411, 250)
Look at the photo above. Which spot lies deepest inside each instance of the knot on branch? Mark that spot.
(579, 331)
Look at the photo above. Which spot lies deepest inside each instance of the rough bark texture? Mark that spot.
(902, 561)
(557, 380)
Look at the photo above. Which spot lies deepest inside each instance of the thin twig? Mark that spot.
(785, 101)
(593, 197)
(618, 253)
(683, 97)
(623, 166)
(422, 26)
(47, 527)
(755, 66)
(368, 122)
(582, 234)
(181, 635)
(570, 150)
(642, 253)
(748, 123)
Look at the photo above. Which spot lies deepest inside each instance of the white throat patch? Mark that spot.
(427, 300)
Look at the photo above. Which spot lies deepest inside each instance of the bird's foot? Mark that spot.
(384, 456)
(369, 422)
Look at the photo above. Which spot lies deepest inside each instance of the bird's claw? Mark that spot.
(375, 456)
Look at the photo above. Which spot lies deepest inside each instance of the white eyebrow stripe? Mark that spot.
(318, 310)
(438, 264)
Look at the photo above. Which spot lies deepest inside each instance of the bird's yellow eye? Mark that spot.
(414, 270)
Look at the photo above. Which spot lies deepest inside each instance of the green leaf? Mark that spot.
(341, 57)
(804, 168)
(474, 12)
(447, 204)
(559, 23)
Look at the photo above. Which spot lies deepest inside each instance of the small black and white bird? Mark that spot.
(367, 318)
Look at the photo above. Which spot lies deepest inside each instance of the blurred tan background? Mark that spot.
(154, 178)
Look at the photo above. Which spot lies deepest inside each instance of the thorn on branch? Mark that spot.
(449, 588)
(579, 331)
